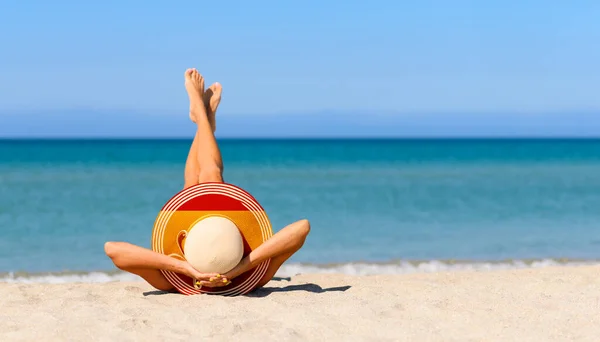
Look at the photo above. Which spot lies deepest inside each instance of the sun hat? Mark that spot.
(212, 226)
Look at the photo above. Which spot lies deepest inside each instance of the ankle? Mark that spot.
(198, 112)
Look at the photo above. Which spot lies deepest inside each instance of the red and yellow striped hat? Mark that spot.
(190, 205)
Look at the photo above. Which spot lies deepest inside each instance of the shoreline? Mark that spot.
(534, 304)
(399, 267)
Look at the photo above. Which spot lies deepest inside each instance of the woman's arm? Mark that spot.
(288, 240)
(130, 258)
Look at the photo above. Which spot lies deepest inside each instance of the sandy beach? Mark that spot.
(546, 304)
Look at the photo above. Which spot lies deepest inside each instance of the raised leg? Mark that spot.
(211, 99)
(208, 155)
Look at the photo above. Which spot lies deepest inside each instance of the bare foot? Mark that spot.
(212, 98)
(194, 84)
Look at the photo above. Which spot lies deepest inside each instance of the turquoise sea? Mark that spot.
(376, 206)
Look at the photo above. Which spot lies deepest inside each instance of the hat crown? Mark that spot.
(214, 245)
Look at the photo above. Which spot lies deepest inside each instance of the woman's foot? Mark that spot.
(212, 98)
(194, 84)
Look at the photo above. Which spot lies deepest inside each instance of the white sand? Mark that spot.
(550, 304)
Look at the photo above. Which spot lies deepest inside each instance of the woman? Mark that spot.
(204, 164)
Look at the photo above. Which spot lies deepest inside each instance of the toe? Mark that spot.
(209, 92)
(201, 81)
(217, 88)
(214, 88)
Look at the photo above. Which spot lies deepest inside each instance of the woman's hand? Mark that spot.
(206, 279)
(218, 281)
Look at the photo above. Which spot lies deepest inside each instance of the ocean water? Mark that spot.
(376, 206)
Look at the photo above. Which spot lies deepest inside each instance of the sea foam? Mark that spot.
(292, 269)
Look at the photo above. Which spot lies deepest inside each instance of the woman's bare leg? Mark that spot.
(204, 148)
(211, 99)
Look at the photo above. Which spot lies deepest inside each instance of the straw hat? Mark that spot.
(212, 226)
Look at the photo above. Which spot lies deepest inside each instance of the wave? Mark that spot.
(66, 277)
(292, 269)
(429, 266)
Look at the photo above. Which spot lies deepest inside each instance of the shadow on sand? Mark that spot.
(157, 293)
(313, 288)
(266, 291)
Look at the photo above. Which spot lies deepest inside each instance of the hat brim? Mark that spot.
(189, 206)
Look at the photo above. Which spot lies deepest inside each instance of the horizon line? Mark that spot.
(317, 111)
(308, 138)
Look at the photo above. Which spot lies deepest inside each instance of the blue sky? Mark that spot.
(370, 62)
